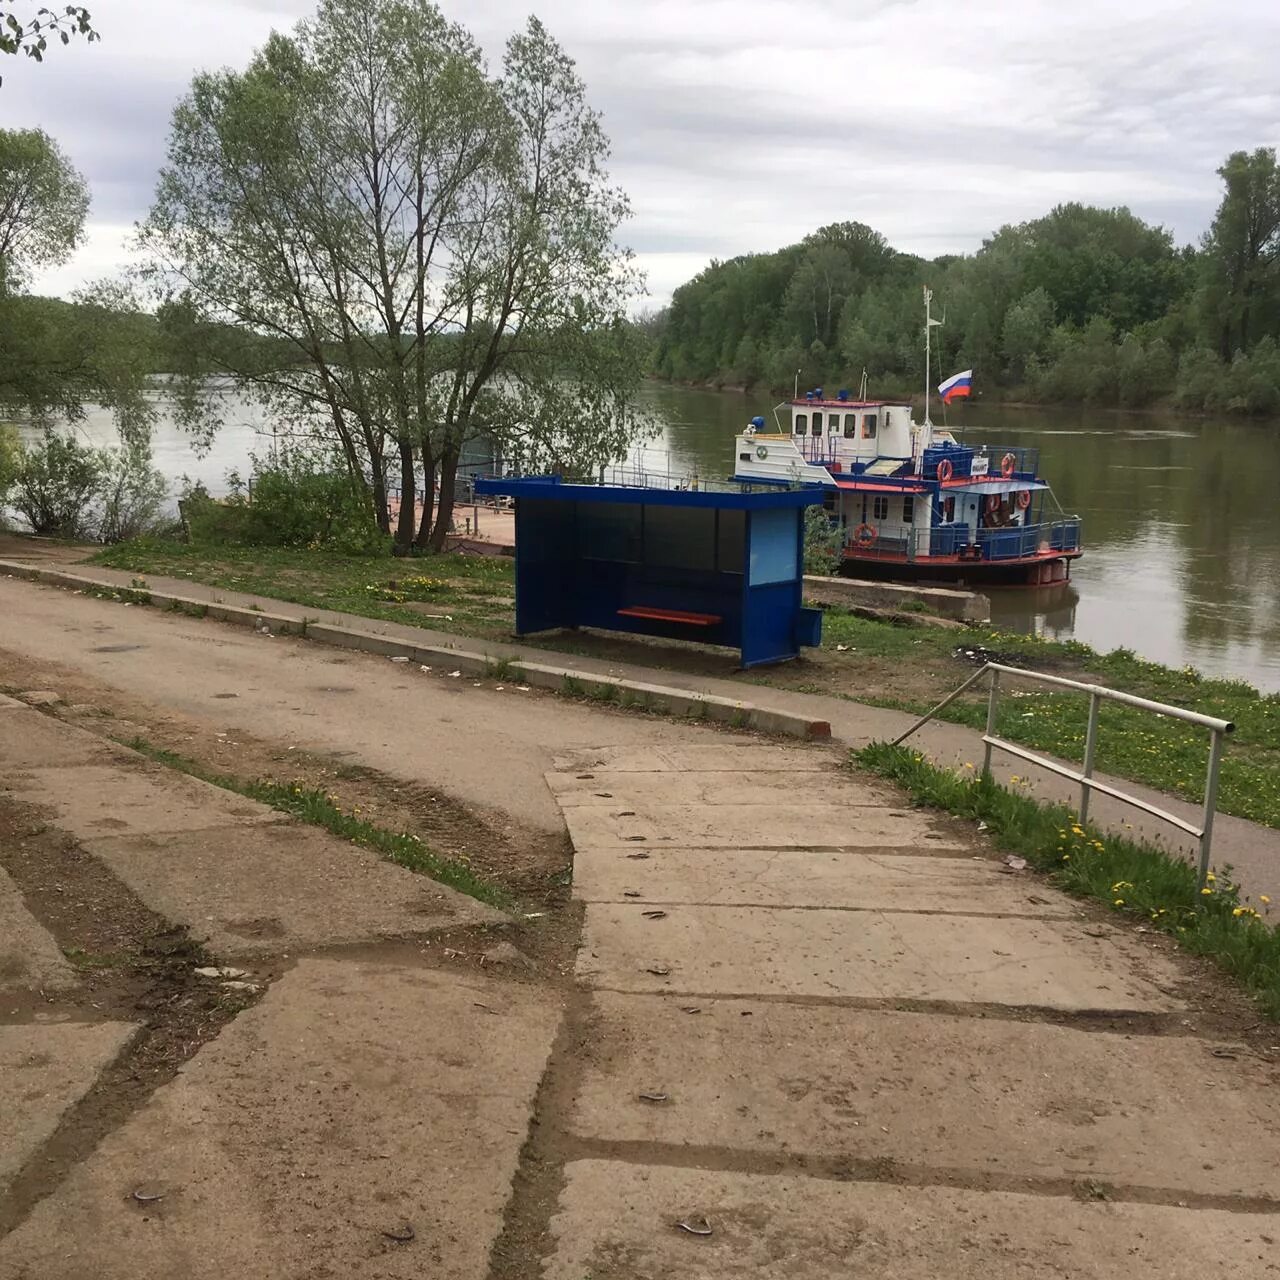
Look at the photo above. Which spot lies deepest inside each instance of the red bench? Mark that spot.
(670, 615)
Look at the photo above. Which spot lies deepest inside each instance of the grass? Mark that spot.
(474, 593)
(866, 660)
(315, 806)
(1134, 880)
(1168, 754)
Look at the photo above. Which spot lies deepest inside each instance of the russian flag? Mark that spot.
(957, 385)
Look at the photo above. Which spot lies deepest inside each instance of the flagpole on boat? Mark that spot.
(928, 335)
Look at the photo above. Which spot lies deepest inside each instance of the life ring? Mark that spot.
(865, 534)
(993, 502)
(1008, 464)
(1024, 498)
(945, 470)
(762, 451)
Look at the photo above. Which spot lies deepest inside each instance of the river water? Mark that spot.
(1181, 522)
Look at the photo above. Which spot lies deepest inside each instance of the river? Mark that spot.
(1181, 534)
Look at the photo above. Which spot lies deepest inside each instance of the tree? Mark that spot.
(1027, 325)
(31, 35)
(396, 252)
(43, 203)
(1241, 295)
(60, 355)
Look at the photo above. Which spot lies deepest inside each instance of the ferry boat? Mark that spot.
(912, 500)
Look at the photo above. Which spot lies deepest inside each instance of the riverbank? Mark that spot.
(897, 666)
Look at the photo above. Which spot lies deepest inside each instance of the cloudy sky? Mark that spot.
(741, 125)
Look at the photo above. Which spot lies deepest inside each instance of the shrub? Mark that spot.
(132, 493)
(56, 485)
(823, 542)
(295, 499)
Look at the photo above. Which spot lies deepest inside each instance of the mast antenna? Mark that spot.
(929, 323)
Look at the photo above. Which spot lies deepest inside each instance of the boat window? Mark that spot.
(801, 424)
(817, 424)
(908, 509)
(880, 511)
(869, 426)
(850, 425)
(949, 509)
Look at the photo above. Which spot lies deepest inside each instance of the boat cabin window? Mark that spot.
(800, 425)
(817, 424)
(869, 426)
(880, 509)
(908, 509)
(850, 425)
(949, 509)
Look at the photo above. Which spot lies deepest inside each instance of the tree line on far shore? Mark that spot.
(1083, 305)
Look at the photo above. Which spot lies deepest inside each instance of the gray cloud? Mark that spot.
(741, 125)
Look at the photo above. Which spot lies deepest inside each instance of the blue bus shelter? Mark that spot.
(721, 563)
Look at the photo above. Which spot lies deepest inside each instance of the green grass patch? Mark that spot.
(1135, 880)
(315, 806)
(469, 595)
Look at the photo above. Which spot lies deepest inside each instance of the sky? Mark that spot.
(741, 126)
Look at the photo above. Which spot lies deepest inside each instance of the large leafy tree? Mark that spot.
(1241, 291)
(43, 203)
(397, 252)
(57, 356)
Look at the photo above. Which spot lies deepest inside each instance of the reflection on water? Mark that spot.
(1182, 540)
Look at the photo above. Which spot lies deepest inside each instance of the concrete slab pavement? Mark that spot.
(281, 887)
(760, 826)
(729, 1073)
(815, 878)
(606, 789)
(619, 1219)
(44, 1070)
(31, 740)
(29, 957)
(978, 1097)
(130, 797)
(355, 1101)
(782, 951)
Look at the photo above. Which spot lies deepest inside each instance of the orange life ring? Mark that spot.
(865, 534)
(945, 470)
(1024, 498)
(1008, 464)
(993, 502)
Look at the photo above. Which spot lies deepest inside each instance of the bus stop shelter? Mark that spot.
(722, 563)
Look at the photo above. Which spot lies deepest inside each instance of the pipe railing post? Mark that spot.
(993, 701)
(1210, 804)
(1090, 749)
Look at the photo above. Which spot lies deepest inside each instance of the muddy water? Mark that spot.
(1181, 521)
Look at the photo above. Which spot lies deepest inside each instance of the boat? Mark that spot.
(912, 500)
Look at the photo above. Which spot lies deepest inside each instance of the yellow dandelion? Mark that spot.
(1119, 902)
(1204, 893)
(1262, 897)
(1239, 911)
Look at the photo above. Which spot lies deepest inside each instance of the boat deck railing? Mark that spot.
(1014, 542)
(1218, 730)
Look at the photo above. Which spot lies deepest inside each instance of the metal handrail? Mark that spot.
(1218, 729)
